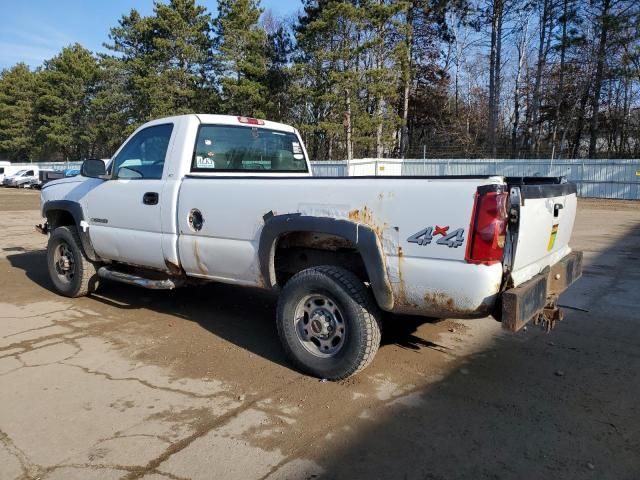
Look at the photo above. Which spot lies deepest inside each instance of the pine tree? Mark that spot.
(17, 95)
(381, 30)
(166, 59)
(241, 53)
(279, 74)
(65, 88)
(329, 36)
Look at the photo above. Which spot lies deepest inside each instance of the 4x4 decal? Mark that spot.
(451, 239)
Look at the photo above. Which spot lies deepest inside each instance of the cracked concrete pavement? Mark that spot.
(192, 383)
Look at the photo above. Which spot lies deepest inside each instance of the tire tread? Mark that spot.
(368, 311)
(87, 272)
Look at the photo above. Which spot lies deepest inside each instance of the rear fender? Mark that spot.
(363, 237)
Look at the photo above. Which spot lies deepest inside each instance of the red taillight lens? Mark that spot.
(251, 121)
(488, 228)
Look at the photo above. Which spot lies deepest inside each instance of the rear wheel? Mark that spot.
(70, 271)
(328, 322)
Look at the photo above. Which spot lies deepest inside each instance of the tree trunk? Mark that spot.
(516, 91)
(560, 92)
(347, 125)
(494, 84)
(597, 81)
(498, 82)
(580, 121)
(406, 80)
(379, 127)
(542, 54)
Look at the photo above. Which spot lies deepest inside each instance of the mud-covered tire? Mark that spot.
(80, 276)
(358, 313)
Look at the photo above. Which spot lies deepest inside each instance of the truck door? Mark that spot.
(124, 212)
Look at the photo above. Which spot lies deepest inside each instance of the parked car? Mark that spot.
(199, 198)
(25, 178)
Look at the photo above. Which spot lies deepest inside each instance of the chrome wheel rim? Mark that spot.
(64, 262)
(320, 325)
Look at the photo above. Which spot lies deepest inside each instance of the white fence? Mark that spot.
(50, 165)
(618, 179)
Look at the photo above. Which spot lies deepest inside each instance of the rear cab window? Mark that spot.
(230, 148)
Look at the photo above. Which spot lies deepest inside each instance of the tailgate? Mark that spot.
(542, 212)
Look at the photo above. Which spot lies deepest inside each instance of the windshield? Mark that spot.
(247, 149)
(20, 173)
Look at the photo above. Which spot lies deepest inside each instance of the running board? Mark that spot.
(166, 284)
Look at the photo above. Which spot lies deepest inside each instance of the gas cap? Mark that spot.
(195, 220)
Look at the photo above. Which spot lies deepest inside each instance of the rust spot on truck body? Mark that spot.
(173, 268)
(400, 299)
(202, 268)
(365, 216)
(439, 301)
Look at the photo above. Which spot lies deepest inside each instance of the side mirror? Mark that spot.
(93, 168)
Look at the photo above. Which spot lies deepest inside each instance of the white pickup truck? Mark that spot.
(231, 199)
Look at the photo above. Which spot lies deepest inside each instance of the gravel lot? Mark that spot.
(192, 383)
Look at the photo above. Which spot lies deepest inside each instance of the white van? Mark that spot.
(26, 177)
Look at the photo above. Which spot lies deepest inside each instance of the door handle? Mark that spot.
(150, 198)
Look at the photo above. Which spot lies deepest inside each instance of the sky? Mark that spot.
(35, 30)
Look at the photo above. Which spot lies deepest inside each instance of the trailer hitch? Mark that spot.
(550, 315)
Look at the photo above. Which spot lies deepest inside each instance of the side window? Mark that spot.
(143, 156)
(29, 173)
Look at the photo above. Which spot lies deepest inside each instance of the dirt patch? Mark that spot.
(13, 199)
(608, 204)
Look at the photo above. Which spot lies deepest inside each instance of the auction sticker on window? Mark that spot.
(205, 162)
(297, 149)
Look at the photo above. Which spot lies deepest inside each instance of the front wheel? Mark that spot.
(70, 271)
(328, 322)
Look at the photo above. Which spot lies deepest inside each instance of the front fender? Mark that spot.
(75, 210)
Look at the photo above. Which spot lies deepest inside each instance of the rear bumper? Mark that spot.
(525, 302)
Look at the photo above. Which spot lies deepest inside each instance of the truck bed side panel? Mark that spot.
(427, 277)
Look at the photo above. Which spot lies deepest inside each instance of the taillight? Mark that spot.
(251, 121)
(488, 228)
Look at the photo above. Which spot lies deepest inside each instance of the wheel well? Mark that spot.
(297, 251)
(59, 218)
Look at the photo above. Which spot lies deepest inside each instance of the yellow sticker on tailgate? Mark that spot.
(552, 237)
